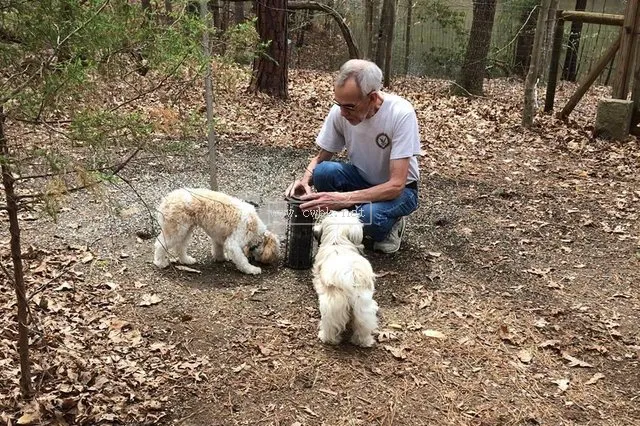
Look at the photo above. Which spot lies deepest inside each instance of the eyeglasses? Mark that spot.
(352, 107)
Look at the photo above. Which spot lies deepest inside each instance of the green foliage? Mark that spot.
(441, 12)
(105, 177)
(66, 59)
(104, 128)
(192, 126)
(229, 75)
(56, 162)
(243, 42)
(443, 61)
(176, 147)
(63, 44)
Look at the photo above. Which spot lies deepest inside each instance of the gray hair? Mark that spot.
(367, 74)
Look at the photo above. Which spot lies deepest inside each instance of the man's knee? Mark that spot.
(326, 169)
(324, 175)
(374, 223)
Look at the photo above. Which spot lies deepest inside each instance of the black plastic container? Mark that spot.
(299, 236)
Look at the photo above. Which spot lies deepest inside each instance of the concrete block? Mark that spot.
(613, 119)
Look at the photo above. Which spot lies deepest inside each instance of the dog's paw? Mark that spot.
(253, 270)
(364, 341)
(161, 263)
(219, 257)
(187, 260)
(326, 339)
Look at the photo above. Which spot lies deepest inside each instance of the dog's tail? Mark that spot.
(365, 309)
(349, 294)
(161, 210)
(159, 219)
(349, 283)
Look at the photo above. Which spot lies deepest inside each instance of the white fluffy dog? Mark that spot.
(233, 225)
(344, 281)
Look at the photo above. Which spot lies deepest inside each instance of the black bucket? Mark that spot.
(299, 236)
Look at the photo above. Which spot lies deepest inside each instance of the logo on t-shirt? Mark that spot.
(383, 141)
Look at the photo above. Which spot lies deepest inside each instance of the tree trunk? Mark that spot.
(16, 256)
(556, 50)
(550, 25)
(380, 37)
(571, 59)
(224, 16)
(525, 41)
(388, 51)
(407, 37)
(536, 54)
(214, 6)
(369, 13)
(238, 12)
(472, 74)
(270, 69)
(303, 26)
(208, 96)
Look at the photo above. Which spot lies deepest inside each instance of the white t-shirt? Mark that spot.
(392, 133)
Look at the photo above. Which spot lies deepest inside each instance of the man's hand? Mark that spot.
(326, 201)
(298, 189)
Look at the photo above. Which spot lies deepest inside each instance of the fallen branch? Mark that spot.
(354, 52)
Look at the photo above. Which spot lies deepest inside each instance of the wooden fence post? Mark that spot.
(626, 52)
(589, 79)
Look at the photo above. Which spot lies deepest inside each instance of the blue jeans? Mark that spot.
(378, 217)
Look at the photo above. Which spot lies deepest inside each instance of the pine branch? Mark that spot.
(7, 37)
(153, 89)
(81, 26)
(53, 55)
(38, 121)
(114, 171)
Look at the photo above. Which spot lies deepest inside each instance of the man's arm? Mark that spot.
(389, 190)
(323, 155)
(304, 183)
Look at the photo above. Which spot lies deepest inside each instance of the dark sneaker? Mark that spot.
(391, 244)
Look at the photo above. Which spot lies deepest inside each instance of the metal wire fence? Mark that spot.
(440, 31)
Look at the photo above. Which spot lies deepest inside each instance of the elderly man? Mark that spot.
(380, 134)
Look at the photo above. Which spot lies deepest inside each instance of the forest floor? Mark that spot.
(513, 300)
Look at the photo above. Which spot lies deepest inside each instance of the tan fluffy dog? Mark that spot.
(233, 225)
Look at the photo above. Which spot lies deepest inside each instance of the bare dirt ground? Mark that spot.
(513, 300)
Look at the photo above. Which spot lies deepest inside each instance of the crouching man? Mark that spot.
(379, 132)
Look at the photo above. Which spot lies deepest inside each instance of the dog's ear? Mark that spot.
(270, 248)
(354, 234)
